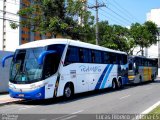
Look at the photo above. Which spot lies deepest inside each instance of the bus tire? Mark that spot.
(114, 84)
(140, 79)
(68, 91)
(152, 78)
(120, 83)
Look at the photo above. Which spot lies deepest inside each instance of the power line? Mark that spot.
(119, 15)
(110, 18)
(120, 10)
(9, 19)
(125, 10)
(114, 17)
(15, 3)
(8, 12)
(110, 15)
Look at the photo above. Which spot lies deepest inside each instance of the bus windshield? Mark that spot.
(24, 66)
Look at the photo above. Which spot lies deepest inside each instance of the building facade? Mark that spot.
(9, 38)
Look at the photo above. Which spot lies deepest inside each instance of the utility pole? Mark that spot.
(158, 47)
(97, 6)
(4, 26)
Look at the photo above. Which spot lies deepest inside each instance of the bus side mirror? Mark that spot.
(43, 54)
(134, 65)
(4, 60)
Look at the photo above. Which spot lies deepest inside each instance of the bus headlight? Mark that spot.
(11, 86)
(33, 86)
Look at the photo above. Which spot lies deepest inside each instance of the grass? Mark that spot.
(153, 115)
(156, 110)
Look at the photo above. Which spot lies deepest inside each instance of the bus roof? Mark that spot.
(134, 56)
(46, 42)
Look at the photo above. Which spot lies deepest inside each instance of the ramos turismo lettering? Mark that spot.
(90, 68)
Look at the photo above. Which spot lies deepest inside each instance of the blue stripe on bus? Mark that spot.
(106, 77)
(101, 77)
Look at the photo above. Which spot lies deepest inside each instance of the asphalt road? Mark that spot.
(130, 100)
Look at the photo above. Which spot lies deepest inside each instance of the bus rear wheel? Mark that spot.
(153, 78)
(68, 92)
(114, 84)
(120, 84)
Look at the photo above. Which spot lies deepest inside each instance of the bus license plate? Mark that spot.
(21, 95)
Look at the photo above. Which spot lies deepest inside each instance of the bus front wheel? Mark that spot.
(68, 91)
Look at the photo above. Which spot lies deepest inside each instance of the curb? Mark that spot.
(4, 93)
(10, 102)
(151, 108)
(148, 110)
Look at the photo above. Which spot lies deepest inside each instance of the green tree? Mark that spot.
(153, 32)
(144, 35)
(57, 17)
(115, 37)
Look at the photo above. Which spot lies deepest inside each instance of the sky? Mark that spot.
(125, 12)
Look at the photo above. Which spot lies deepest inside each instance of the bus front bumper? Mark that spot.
(34, 94)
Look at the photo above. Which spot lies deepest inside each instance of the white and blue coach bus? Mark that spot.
(61, 67)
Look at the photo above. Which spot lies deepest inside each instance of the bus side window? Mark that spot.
(49, 67)
(96, 56)
(72, 55)
(81, 55)
(113, 58)
(119, 59)
(84, 55)
(130, 66)
(125, 59)
(92, 56)
(145, 62)
(106, 58)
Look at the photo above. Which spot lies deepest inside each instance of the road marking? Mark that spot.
(70, 117)
(124, 97)
(61, 117)
(77, 112)
(147, 111)
(6, 106)
(26, 107)
(9, 109)
(151, 108)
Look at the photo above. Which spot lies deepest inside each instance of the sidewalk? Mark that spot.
(5, 99)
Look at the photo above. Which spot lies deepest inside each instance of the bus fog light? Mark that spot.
(39, 94)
